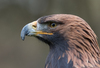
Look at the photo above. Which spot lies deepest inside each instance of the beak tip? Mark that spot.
(22, 36)
(23, 32)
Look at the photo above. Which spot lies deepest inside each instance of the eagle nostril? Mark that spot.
(34, 26)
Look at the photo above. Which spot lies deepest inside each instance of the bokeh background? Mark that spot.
(31, 53)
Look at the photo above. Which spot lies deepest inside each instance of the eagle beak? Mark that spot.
(30, 30)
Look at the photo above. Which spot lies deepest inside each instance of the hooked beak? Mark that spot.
(30, 30)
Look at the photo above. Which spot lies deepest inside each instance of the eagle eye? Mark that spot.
(52, 25)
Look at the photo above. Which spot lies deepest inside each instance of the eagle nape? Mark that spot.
(72, 42)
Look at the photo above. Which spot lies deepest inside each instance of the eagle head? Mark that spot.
(72, 42)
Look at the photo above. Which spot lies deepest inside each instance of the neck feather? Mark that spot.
(57, 57)
(62, 56)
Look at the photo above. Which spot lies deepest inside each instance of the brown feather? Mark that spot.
(83, 47)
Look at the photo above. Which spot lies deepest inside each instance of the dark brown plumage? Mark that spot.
(73, 43)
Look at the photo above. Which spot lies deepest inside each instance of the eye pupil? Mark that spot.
(53, 25)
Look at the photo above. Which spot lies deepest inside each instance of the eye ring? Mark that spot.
(53, 25)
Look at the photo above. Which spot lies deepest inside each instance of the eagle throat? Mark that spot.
(57, 57)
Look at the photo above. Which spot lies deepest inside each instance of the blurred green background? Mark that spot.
(31, 53)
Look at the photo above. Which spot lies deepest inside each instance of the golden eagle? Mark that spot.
(72, 42)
